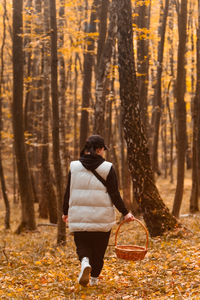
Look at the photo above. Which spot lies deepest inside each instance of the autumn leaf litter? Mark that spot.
(33, 267)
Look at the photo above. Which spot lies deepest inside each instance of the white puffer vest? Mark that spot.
(90, 206)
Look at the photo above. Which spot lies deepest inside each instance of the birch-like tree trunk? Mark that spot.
(156, 215)
(25, 186)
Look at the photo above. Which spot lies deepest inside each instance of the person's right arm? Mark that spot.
(113, 191)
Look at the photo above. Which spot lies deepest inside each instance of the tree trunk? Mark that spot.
(61, 234)
(87, 78)
(102, 74)
(15, 198)
(158, 89)
(155, 213)
(171, 85)
(143, 23)
(76, 152)
(33, 104)
(38, 105)
(163, 135)
(29, 108)
(196, 117)
(62, 88)
(102, 29)
(28, 62)
(111, 140)
(48, 193)
(25, 186)
(181, 108)
(34, 155)
(2, 177)
(198, 83)
(171, 135)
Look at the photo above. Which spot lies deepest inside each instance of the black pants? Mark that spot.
(92, 245)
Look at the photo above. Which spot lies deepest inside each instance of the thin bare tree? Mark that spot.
(48, 192)
(61, 234)
(102, 79)
(2, 177)
(196, 117)
(158, 88)
(87, 75)
(181, 107)
(25, 186)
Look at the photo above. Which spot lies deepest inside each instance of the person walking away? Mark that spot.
(88, 207)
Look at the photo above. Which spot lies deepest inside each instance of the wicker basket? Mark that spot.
(131, 252)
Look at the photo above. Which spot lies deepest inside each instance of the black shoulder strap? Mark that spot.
(99, 177)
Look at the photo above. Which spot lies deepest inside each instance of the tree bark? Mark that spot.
(181, 108)
(62, 88)
(156, 215)
(102, 29)
(102, 73)
(76, 152)
(2, 177)
(87, 78)
(158, 88)
(28, 61)
(171, 135)
(38, 105)
(143, 23)
(196, 117)
(25, 186)
(33, 103)
(30, 88)
(61, 234)
(171, 85)
(48, 192)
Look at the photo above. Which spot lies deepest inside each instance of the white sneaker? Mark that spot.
(94, 281)
(84, 275)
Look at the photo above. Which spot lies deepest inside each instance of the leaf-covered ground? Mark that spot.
(33, 267)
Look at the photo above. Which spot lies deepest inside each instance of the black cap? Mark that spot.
(96, 141)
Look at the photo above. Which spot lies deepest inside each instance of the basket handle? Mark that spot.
(144, 227)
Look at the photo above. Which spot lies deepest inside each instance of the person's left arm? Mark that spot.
(66, 199)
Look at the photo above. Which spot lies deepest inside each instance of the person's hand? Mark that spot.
(129, 217)
(65, 218)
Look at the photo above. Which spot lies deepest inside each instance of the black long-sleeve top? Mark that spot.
(111, 184)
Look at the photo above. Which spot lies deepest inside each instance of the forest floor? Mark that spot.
(33, 267)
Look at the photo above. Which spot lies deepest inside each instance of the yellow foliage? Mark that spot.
(6, 135)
